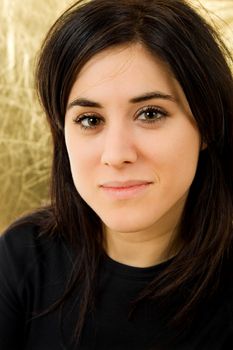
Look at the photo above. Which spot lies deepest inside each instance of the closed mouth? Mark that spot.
(125, 190)
(122, 185)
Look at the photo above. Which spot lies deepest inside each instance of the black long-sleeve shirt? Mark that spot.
(33, 275)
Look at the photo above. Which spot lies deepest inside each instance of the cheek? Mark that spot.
(82, 160)
(183, 167)
(175, 160)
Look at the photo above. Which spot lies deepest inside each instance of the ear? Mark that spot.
(203, 145)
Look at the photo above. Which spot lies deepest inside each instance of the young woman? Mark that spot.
(135, 250)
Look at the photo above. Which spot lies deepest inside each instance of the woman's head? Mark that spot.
(170, 31)
(132, 141)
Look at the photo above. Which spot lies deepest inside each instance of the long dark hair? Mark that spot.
(176, 33)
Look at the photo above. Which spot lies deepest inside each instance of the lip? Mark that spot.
(125, 189)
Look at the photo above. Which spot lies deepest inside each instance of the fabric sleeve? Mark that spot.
(11, 311)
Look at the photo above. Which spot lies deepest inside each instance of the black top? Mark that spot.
(33, 274)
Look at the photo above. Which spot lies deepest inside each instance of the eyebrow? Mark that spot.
(151, 95)
(83, 102)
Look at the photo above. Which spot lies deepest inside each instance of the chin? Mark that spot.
(126, 226)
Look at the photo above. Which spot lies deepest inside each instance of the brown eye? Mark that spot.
(88, 122)
(151, 114)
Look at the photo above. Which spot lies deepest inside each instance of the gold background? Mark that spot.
(25, 149)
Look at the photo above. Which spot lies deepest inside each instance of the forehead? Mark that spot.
(126, 71)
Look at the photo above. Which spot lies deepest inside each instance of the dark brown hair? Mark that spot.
(173, 31)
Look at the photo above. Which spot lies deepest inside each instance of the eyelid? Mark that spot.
(151, 108)
(87, 115)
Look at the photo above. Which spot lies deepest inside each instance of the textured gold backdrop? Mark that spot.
(25, 149)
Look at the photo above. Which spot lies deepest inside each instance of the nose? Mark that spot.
(119, 147)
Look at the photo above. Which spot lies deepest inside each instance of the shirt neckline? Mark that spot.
(132, 272)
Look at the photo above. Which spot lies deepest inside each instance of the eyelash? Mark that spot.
(148, 109)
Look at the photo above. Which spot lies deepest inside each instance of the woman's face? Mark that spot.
(132, 142)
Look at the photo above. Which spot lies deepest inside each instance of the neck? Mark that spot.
(138, 248)
(146, 247)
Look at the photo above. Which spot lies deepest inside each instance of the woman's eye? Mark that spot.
(88, 121)
(151, 114)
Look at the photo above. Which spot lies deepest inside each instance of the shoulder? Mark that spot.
(16, 242)
(30, 231)
(19, 235)
(34, 266)
(22, 238)
(25, 247)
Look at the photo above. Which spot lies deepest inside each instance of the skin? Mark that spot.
(123, 141)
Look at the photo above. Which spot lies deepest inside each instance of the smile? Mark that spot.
(125, 190)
